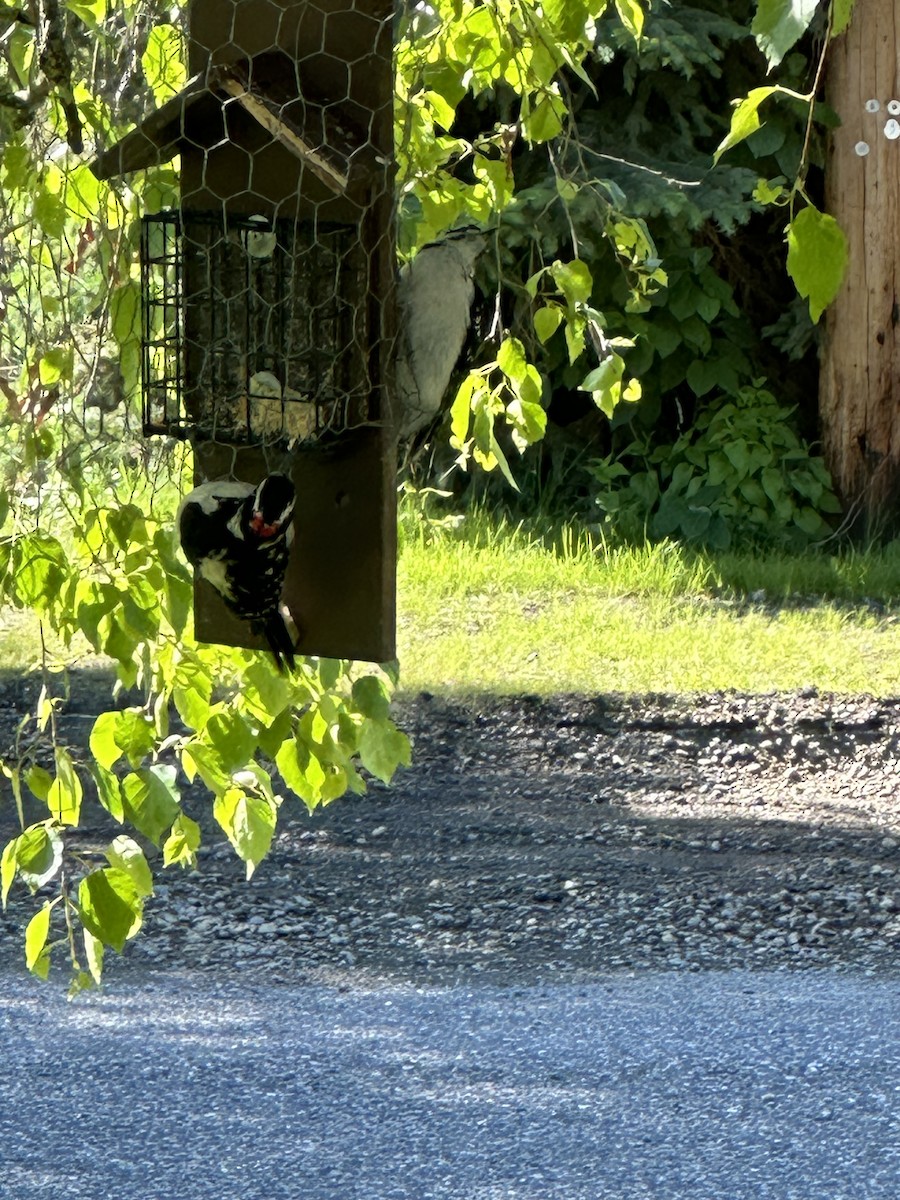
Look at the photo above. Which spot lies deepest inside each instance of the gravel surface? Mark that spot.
(585, 949)
(556, 839)
(671, 1087)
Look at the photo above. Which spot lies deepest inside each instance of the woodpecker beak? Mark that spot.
(261, 529)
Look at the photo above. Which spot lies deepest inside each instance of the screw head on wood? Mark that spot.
(873, 106)
(862, 149)
(892, 130)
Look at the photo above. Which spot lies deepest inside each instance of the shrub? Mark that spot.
(741, 473)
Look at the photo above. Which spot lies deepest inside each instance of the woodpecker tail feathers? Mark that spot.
(274, 629)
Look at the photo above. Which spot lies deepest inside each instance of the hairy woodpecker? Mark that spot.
(434, 293)
(238, 536)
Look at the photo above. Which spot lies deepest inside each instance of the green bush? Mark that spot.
(740, 474)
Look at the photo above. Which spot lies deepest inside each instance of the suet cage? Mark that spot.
(268, 299)
(278, 346)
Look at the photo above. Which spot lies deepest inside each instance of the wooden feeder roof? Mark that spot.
(323, 137)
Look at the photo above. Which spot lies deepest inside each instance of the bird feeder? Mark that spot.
(268, 295)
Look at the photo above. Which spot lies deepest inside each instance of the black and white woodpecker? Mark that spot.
(238, 536)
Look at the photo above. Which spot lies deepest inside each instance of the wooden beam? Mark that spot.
(268, 116)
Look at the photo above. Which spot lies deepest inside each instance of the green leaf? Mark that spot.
(270, 737)
(461, 409)
(632, 16)
(267, 692)
(232, 739)
(7, 869)
(151, 800)
(573, 279)
(109, 792)
(203, 760)
(41, 570)
(703, 375)
(605, 383)
(93, 952)
(37, 956)
(92, 12)
(50, 213)
(163, 62)
(299, 770)
(817, 257)
(38, 781)
(511, 358)
(133, 735)
(56, 365)
(182, 843)
(114, 733)
(496, 178)
(546, 321)
(126, 855)
(248, 822)
(370, 696)
(529, 422)
(810, 522)
(38, 855)
(382, 749)
(109, 906)
(841, 13)
(744, 119)
(778, 24)
(574, 331)
(125, 313)
(192, 691)
(65, 794)
(545, 119)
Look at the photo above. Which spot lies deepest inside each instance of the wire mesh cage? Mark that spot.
(252, 329)
(268, 293)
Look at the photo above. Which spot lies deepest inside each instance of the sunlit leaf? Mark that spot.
(182, 843)
(151, 800)
(631, 14)
(817, 257)
(744, 120)
(65, 793)
(248, 822)
(7, 869)
(573, 279)
(38, 855)
(841, 15)
(163, 61)
(778, 24)
(126, 855)
(37, 956)
(382, 749)
(547, 321)
(93, 951)
(110, 906)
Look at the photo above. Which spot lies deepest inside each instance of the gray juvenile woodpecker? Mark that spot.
(435, 293)
(238, 537)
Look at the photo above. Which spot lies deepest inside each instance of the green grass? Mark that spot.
(493, 608)
(488, 607)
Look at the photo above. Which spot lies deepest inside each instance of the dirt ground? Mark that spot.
(538, 839)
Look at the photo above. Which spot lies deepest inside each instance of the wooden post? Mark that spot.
(859, 395)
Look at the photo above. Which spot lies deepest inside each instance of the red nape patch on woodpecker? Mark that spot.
(261, 529)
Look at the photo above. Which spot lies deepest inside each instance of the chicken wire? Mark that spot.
(267, 291)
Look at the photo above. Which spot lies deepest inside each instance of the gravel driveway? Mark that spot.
(551, 840)
(585, 949)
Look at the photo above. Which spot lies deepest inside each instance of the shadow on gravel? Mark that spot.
(540, 840)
